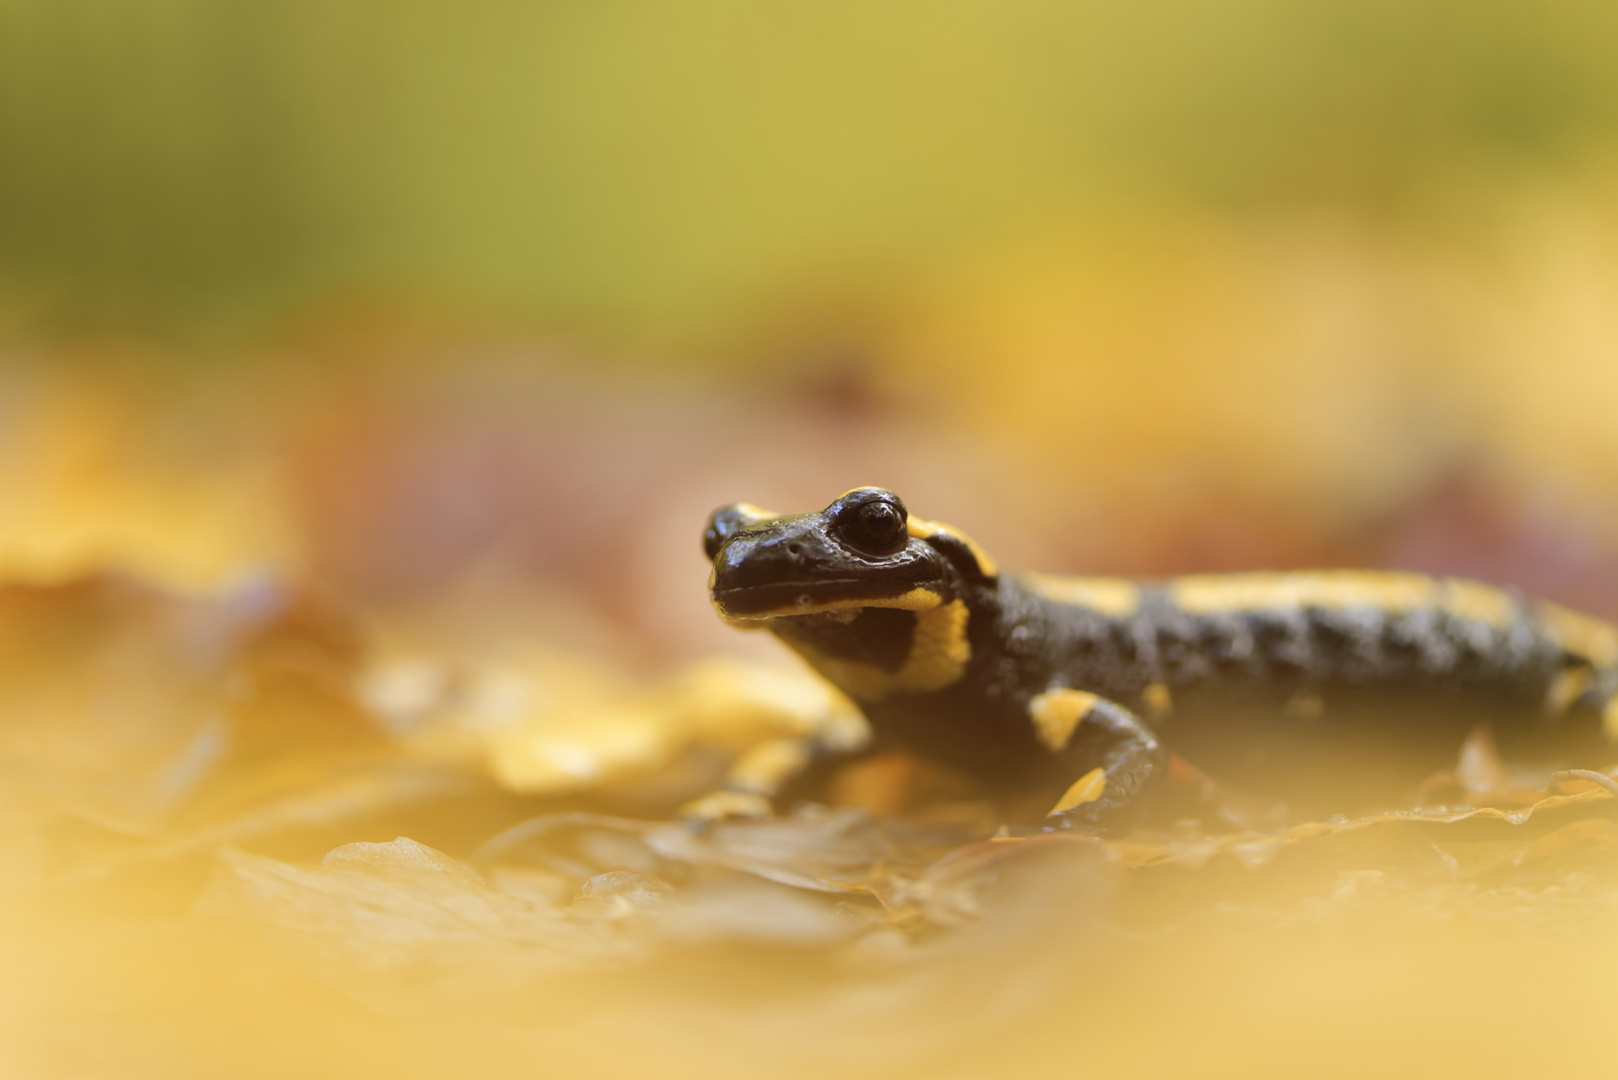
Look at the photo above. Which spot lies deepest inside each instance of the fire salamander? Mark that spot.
(1068, 681)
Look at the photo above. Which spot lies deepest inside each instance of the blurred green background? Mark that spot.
(675, 175)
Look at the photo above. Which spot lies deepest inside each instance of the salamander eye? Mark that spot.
(875, 528)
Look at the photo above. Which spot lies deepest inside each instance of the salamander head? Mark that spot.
(870, 596)
(862, 551)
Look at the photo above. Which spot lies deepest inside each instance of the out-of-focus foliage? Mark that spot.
(88, 482)
(251, 827)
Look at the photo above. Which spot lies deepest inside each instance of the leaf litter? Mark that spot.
(245, 787)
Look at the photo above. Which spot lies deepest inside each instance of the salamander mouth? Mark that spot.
(809, 598)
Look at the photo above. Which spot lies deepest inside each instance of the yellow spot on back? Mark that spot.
(924, 530)
(1479, 603)
(1216, 594)
(1116, 597)
(1056, 714)
(1086, 789)
(1158, 699)
(1384, 590)
(1584, 637)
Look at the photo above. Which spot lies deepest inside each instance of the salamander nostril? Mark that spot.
(795, 549)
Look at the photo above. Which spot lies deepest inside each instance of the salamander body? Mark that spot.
(1013, 676)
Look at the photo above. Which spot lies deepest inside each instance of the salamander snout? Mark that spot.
(722, 525)
(783, 553)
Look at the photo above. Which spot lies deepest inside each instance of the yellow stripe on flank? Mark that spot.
(1218, 594)
(924, 530)
(1057, 713)
(1584, 637)
(1086, 789)
(1111, 596)
(1568, 686)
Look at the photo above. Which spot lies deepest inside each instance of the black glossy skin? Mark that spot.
(785, 570)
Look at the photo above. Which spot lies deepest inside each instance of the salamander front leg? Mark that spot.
(753, 781)
(1120, 761)
(777, 769)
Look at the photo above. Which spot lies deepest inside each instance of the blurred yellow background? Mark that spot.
(1305, 264)
(461, 317)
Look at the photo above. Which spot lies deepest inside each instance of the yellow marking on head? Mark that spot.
(1479, 603)
(939, 652)
(1568, 686)
(1086, 789)
(1056, 715)
(918, 599)
(925, 530)
(1609, 720)
(1158, 699)
(763, 769)
(754, 514)
(1218, 594)
(1116, 597)
(1585, 637)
